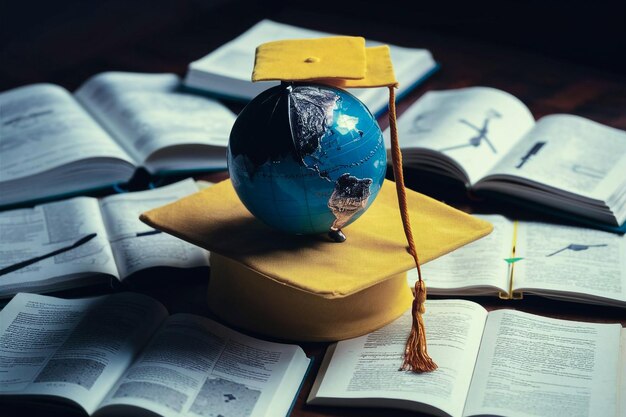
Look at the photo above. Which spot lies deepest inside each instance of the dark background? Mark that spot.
(66, 41)
(555, 56)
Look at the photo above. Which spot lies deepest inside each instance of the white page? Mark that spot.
(478, 267)
(27, 344)
(133, 247)
(531, 366)
(474, 126)
(367, 367)
(74, 349)
(147, 112)
(235, 61)
(194, 366)
(571, 259)
(43, 127)
(32, 232)
(576, 156)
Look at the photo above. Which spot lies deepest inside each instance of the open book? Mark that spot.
(489, 140)
(122, 354)
(226, 71)
(502, 363)
(112, 242)
(55, 143)
(565, 262)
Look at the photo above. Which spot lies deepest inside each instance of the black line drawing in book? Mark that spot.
(577, 247)
(478, 139)
(27, 120)
(416, 125)
(588, 171)
(57, 254)
(221, 397)
(533, 151)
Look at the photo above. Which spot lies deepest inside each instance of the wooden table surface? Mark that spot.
(151, 43)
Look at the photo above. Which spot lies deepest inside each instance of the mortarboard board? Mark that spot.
(308, 288)
(304, 288)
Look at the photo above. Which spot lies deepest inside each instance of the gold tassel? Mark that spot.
(416, 357)
(415, 353)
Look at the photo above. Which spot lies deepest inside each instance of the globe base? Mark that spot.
(337, 236)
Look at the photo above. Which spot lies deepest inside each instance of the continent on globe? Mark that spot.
(307, 158)
(350, 196)
(310, 115)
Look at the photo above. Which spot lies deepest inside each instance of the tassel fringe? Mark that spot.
(416, 357)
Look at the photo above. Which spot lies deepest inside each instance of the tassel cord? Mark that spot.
(416, 356)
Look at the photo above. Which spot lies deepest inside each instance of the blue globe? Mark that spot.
(306, 158)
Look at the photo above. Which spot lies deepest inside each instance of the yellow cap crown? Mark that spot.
(342, 61)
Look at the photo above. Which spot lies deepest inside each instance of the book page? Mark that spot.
(574, 261)
(148, 112)
(32, 232)
(43, 127)
(364, 371)
(137, 246)
(531, 366)
(479, 267)
(196, 367)
(474, 127)
(569, 153)
(74, 349)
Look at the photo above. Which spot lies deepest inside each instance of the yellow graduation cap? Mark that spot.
(305, 287)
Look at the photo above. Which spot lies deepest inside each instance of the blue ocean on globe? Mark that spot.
(306, 158)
